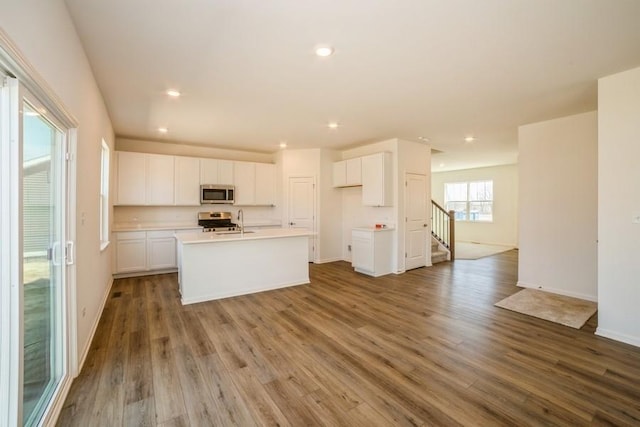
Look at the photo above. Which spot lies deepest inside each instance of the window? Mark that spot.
(472, 201)
(104, 196)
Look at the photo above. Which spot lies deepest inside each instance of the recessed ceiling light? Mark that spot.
(163, 130)
(469, 139)
(424, 139)
(324, 51)
(173, 93)
(332, 125)
(283, 144)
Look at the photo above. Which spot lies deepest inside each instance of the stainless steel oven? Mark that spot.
(216, 194)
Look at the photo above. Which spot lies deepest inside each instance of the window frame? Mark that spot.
(468, 201)
(105, 162)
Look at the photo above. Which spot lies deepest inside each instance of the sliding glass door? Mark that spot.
(33, 261)
(43, 258)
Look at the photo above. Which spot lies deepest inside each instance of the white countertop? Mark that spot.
(213, 237)
(150, 226)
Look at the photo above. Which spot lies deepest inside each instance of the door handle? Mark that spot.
(424, 225)
(69, 252)
(292, 223)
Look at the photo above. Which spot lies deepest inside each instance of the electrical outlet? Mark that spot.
(349, 248)
(84, 311)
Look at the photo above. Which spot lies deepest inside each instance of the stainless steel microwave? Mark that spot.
(216, 194)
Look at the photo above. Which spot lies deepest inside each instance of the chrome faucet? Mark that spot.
(241, 219)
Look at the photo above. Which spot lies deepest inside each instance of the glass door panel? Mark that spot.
(43, 199)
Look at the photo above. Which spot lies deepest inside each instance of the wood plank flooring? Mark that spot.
(425, 348)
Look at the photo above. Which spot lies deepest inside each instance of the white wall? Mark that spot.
(330, 210)
(45, 34)
(619, 206)
(504, 228)
(190, 150)
(558, 205)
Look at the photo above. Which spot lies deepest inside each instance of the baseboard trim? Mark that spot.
(587, 297)
(616, 336)
(144, 273)
(328, 260)
(94, 328)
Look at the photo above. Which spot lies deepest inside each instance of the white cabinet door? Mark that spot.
(244, 176)
(265, 184)
(340, 174)
(208, 171)
(371, 251)
(130, 186)
(225, 172)
(354, 171)
(159, 182)
(187, 181)
(214, 171)
(377, 180)
(347, 173)
(362, 250)
(131, 252)
(161, 250)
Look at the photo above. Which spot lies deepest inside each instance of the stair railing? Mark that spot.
(443, 227)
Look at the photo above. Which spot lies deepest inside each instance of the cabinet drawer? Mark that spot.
(156, 234)
(131, 235)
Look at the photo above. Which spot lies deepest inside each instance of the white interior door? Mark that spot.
(415, 202)
(302, 207)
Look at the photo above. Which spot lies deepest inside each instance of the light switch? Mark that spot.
(636, 218)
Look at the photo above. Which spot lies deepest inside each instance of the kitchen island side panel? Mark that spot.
(222, 269)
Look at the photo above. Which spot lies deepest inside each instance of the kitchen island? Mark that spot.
(224, 264)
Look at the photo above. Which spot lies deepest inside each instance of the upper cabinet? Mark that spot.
(214, 171)
(187, 181)
(347, 173)
(377, 180)
(255, 184)
(157, 180)
(265, 184)
(244, 178)
(131, 178)
(144, 179)
(160, 180)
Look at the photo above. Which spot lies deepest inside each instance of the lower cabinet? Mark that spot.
(131, 251)
(146, 251)
(161, 250)
(371, 251)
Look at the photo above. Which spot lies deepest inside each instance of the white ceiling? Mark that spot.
(442, 69)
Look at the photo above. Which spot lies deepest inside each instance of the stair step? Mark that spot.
(439, 256)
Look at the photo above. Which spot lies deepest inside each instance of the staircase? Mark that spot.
(442, 234)
(438, 254)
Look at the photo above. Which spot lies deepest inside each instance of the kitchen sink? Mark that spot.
(234, 232)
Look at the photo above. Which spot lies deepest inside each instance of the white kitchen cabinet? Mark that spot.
(215, 171)
(161, 250)
(144, 179)
(244, 177)
(131, 251)
(377, 180)
(265, 184)
(160, 180)
(187, 181)
(371, 251)
(225, 172)
(130, 181)
(347, 173)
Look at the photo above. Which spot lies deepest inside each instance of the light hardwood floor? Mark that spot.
(426, 348)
